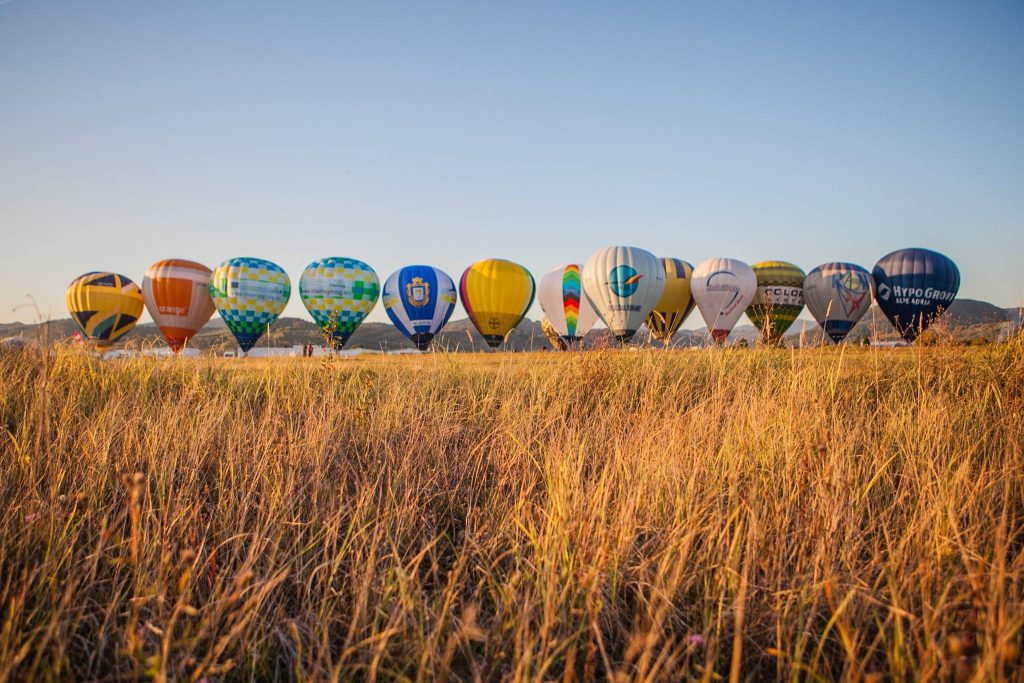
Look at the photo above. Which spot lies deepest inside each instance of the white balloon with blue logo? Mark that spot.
(624, 285)
(723, 289)
(419, 300)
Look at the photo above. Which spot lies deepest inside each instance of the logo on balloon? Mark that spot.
(725, 281)
(624, 281)
(418, 292)
(853, 290)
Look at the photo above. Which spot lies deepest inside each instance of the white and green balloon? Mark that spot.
(339, 292)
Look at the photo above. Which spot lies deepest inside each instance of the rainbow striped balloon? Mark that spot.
(560, 295)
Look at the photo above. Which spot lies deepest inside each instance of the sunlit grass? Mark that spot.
(755, 514)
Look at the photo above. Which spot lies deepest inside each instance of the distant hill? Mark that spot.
(969, 317)
(967, 312)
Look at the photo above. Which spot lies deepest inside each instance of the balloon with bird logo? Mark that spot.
(496, 294)
(249, 294)
(566, 309)
(914, 287)
(177, 296)
(723, 288)
(419, 300)
(624, 284)
(778, 300)
(104, 306)
(339, 293)
(676, 302)
(838, 295)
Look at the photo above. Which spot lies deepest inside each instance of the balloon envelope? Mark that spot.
(249, 294)
(566, 310)
(676, 301)
(778, 300)
(104, 306)
(339, 293)
(557, 340)
(419, 300)
(914, 286)
(177, 296)
(723, 288)
(623, 284)
(496, 294)
(838, 295)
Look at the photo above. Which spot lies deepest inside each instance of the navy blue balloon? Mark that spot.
(913, 286)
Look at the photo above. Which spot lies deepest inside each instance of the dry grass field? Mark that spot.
(824, 514)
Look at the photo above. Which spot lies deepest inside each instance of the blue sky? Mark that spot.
(442, 133)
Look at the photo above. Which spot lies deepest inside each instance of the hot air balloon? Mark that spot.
(723, 288)
(496, 294)
(838, 295)
(104, 306)
(566, 310)
(623, 284)
(676, 301)
(249, 293)
(914, 286)
(339, 293)
(557, 340)
(419, 300)
(778, 300)
(177, 295)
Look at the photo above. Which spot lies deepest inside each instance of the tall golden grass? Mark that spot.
(757, 514)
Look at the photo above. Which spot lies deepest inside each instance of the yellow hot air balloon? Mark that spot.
(496, 294)
(105, 306)
(676, 301)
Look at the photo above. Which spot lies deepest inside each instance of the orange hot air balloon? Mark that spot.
(177, 296)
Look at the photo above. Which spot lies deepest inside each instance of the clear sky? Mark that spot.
(447, 132)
